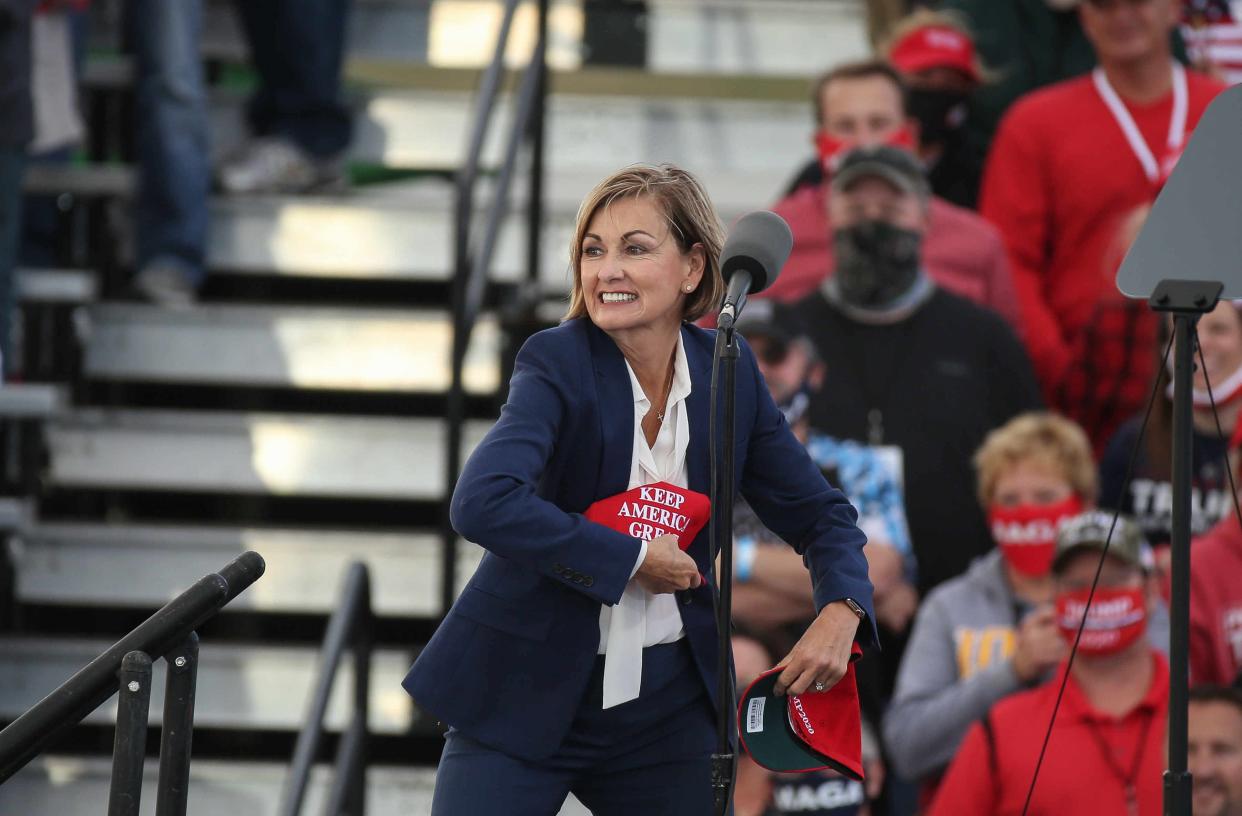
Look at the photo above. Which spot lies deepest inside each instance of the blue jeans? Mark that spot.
(297, 47)
(174, 170)
(12, 166)
(41, 243)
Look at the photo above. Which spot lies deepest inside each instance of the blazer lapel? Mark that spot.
(616, 413)
(699, 361)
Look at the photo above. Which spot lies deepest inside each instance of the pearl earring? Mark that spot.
(689, 288)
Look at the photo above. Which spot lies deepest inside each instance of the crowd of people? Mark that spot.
(298, 128)
(948, 342)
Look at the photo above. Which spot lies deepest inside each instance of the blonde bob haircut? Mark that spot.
(1039, 436)
(691, 218)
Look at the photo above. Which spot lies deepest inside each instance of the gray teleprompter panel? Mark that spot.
(1194, 231)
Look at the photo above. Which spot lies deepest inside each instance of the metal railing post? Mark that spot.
(177, 733)
(350, 625)
(343, 797)
(534, 198)
(455, 399)
(130, 747)
(363, 647)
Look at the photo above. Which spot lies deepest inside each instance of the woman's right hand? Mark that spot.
(666, 568)
(1038, 645)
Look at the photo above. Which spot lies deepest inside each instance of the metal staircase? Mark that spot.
(299, 409)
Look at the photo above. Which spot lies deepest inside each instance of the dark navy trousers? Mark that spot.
(650, 756)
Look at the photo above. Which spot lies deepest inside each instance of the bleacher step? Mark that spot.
(77, 564)
(74, 786)
(767, 37)
(32, 400)
(587, 134)
(45, 285)
(405, 231)
(252, 454)
(240, 686)
(287, 347)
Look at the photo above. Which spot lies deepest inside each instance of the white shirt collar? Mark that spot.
(680, 387)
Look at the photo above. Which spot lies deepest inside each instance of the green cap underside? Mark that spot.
(775, 746)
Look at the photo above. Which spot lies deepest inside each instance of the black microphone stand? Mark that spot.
(1185, 301)
(724, 363)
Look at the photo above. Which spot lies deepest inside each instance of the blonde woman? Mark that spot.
(581, 656)
(992, 631)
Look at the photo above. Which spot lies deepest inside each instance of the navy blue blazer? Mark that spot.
(512, 659)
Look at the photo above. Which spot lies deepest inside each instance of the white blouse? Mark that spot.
(640, 618)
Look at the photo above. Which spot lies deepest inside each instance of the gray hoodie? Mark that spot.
(958, 663)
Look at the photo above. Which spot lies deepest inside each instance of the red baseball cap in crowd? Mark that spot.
(934, 46)
(804, 732)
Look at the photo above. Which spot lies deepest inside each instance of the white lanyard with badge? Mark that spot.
(1156, 171)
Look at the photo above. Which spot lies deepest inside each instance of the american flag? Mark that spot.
(1213, 33)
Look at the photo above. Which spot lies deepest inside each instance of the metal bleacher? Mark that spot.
(298, 409)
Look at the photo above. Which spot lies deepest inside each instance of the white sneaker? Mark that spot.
(276, 165)
(164, 285)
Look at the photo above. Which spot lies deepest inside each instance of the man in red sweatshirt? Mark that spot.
(1070, 165)
(1216, 595)
(860, 105)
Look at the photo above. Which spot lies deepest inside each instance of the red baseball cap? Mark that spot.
(934, 46)
(806, 732)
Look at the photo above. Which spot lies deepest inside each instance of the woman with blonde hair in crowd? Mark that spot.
(992, 631)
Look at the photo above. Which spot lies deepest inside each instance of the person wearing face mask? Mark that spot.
(771, 591)
(935, 53)
(1107, 752)
(917, 370)
(864, 104)
(1071, 162)
(1150, 495)
(987, 634)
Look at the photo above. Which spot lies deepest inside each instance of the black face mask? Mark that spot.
(940, 113)
(877, 262)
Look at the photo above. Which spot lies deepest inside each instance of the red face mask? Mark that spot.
(1027, 534)
(830, 149)
(1118, 617)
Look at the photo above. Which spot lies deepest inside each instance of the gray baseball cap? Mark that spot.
(895, 165)
(1089, 530)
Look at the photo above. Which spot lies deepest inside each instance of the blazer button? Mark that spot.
(578, 579)
(686, 598)
(589, 581)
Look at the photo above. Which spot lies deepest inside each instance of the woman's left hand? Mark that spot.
(822, 654)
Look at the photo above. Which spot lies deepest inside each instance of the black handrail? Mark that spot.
(158, 635)
(350, 627)
(473, 255)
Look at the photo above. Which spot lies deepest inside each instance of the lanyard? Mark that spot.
(1127, 780)
(878, 396)
(1177, 121)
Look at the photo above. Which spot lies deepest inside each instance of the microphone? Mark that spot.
(753, 255)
